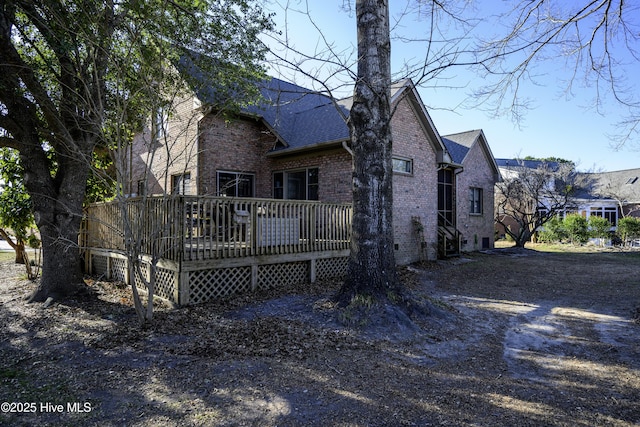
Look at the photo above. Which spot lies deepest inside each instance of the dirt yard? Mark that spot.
(521, 338)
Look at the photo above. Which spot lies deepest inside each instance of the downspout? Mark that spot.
(344, 145)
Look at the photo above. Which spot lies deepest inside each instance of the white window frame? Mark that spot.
(396, 161)
(476, 195)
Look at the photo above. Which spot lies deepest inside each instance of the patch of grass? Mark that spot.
(7, 256)
(562, 248)
(568, 248)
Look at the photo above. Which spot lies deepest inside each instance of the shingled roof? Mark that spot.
(459, 144)
(621, 185)
(300, 117)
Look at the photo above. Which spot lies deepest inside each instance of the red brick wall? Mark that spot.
(414, 195)
(236, 145)
(175, 154)
(242, 146)
(477, 173)
(334, 172)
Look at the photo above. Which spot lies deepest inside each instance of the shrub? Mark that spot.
(599, 227)
(629, 228)
(577, 228)
(554, 231)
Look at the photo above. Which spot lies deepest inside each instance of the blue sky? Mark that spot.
(558, 125)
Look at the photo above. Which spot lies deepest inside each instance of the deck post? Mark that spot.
(312, 270)
(254, 277)
(182, 285)
(107, 274)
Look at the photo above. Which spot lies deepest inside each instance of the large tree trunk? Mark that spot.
(62, 264)
(57, 207)
(371, 271)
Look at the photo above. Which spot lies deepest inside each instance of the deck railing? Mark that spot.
(193, 228)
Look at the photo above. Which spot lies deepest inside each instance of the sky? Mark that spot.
(557, 125)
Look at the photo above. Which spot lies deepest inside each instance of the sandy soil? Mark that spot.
(519, 337)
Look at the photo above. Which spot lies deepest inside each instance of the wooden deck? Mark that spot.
(208, 247)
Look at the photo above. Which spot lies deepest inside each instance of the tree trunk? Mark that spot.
(523, 237)
(17, 246)
(20, 252)
(371, 270)
(57, 207)
(61, 262)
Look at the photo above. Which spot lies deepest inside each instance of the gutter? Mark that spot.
(308, 148)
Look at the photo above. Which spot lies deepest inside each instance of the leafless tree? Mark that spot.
(144, 225)
(596, 41)
(624, 197)
(529, 196)
(372, 270)
(364, 71)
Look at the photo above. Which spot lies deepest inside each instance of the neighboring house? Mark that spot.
(474, 189)
(295, 145)
(513, 169)
(611, 195)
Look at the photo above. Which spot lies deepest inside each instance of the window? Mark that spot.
(296, 185)
(235, 184)
(610, 213)
(401, 165)
(159, 125)
(181, 184)
(475, 200)
(141, 188)
(445, 197)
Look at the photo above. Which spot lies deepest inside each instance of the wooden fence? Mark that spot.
(208, 247)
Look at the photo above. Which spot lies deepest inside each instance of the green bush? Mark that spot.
(629, 228)
(554, 231)
(577, 228)
(599, 227)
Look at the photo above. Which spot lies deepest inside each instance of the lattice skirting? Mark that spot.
(328, 268)
(274, 275)
(115, 267)
(99, 264)
(165, 283)
(213, 283)
(208, 283)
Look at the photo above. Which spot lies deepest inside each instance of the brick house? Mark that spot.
(294, 145)
(474, 188)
